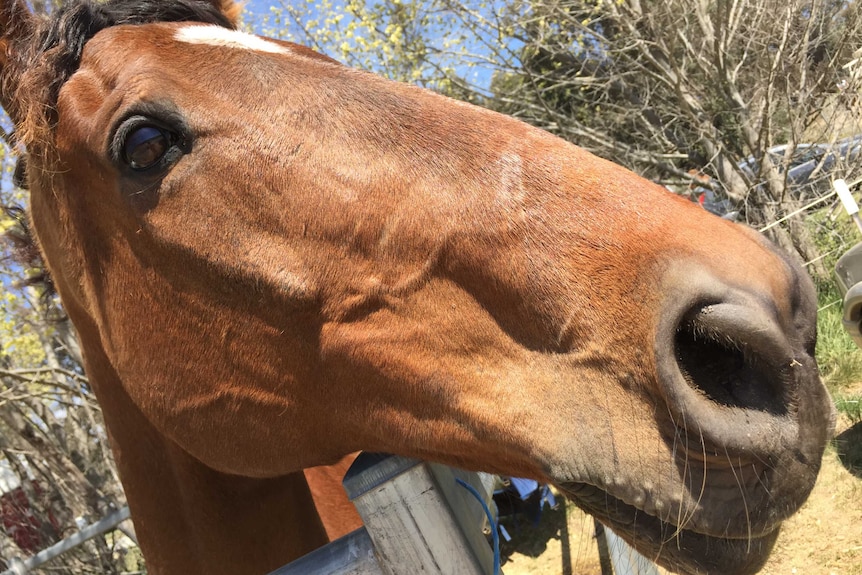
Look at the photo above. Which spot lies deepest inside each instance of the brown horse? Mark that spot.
(273, 260)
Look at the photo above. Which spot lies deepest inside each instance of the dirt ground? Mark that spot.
(824, 538)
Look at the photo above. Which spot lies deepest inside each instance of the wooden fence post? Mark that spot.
(419, 518)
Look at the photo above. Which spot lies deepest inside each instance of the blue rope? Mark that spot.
(495, 537)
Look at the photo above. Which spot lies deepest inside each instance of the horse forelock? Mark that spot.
(48, 58)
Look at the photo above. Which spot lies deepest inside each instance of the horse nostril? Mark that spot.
(731, 360)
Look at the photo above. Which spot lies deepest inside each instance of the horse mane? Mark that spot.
(53, 52)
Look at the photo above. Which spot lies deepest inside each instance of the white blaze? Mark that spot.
(218, 36)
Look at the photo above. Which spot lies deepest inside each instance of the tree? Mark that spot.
(55, 462)
(671, 86)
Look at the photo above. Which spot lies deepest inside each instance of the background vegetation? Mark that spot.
(690, 93)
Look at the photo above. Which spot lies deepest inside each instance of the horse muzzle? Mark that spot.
(744, 419)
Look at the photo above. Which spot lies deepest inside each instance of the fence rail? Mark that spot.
(109, 523)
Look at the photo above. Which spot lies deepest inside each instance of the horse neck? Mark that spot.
(192, 519)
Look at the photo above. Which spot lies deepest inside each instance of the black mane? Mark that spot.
(73, 24)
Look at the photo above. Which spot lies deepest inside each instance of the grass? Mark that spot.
(850, 405)
(839, 358)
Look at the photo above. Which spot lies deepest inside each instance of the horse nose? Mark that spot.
(737, 371)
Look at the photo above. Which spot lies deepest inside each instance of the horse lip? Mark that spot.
(675, 547)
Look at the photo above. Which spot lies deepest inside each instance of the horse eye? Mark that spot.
(145, 146)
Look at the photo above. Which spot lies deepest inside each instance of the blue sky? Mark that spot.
(259, 6)
(479, 75)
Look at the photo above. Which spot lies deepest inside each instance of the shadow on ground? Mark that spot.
(849, 447)
(529, 538)
(562, 542)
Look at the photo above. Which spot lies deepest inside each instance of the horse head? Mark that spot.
(280, 260)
